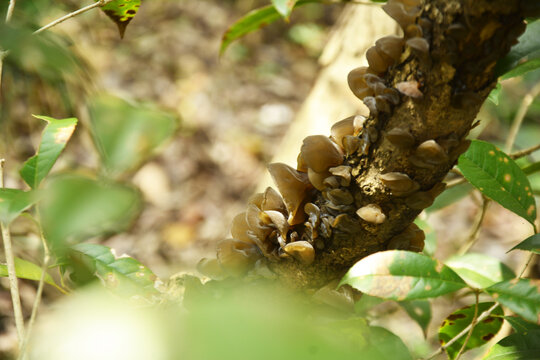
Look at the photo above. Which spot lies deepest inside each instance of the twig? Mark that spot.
(10, 260)
(10, 9)
(484, 315)
(37, 300)
(473, 236)
(520, 115)
(522, 153)
(531, 256)
(455, 182)
(99, 3)
(473, 324)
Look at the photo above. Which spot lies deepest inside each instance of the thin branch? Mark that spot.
(531, 256)
(99, 3)
(10, 9)
(475, 231)
(473, 324)
(484, 315)
(455, 182)
(520, 115)
(10, 260)
(522, 153)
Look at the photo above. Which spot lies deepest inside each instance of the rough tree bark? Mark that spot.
(455, 75)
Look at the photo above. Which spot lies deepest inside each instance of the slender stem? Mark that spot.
(473, 236)
(520, 115)
(522, 153)
(10, 260)
(484, 315)
(473, 324)
(99, 3)
(37, 300)
(10, 9)
(455, 182)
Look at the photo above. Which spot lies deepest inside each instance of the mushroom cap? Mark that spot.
(273, 201)
(419, 44)
(399, 183)
(342, 128)
(391, 46)
(401, 13)
(211, 268)
(431, 152)
(410, 89)
(340, 197)
(317, 178)
(240, 227)
(302, 251)
(357, 84)
(236, 257)
(358, 123)
(400, 137)
(320, 153)
(293, 186)
(371, 213)
(278, 219)
(377, 61)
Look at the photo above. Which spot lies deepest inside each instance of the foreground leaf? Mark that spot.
(77, 208)
(402, 275)
(521, 325)
(28, 270)
(53, 140)
(419, 311)
(13, 202)
(121, 12)
(522, 296)
(126, 134)
(479, 270)
(531, 244)
(516, 347)
(498, 177)
(123, 274)
(524, 56)
(254, 20)
(483, 332)
(284, 7)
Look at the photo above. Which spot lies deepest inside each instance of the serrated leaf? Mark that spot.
(498, 177)
(524, 56)
(284, 7)
(494, 94)
(419, 311)
(479, 270)
(126, 134)
(123, 274)
(522, 296)
(516, 347)
(53, 140)
(121, 12)
(402, 275)
(28, 270)
(77, 208)
(483, 331)
(13, 202)
(521, 325)
(254, 20)
(532, 244)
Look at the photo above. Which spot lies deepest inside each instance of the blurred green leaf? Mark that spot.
(284, 7)
(77, 208)
(121, 12)
(127, 134)
(28, 270)
(123, 274)
(532, 168)
(366, 303)
(402, 275)
(419, 311)
(479, 270)
(498, 177)
(521, 325)
(494, 94)
(516, 347)
(519, 295)
(532, 243)
(483, 332)
(450, 196)
(524, 56)
(254, 20)
(13, 202)
(53, 140)
(430, 242)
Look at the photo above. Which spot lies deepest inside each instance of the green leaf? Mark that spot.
(256, 19)
(123, 274)
(53, 140)
(521, 325)
(430, 242)
(532, 243)
(483, 332)
(479, 270)
(13, 202)
(127, 134)
(450, 196)
(524, 56)
(28, 270)
(516, 347)
(494, 94)
(366, 303)
(419, 311)
(532, 168)
(384, 345)
(121, 12)
(519, 295)
(402, 275)
(77, 208)
(284, 7)
(498, 177)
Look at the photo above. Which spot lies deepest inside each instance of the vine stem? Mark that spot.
(473, 236)
(99, 3)
(10, 260)
(520, 115)
(473, 324)
(463, 332)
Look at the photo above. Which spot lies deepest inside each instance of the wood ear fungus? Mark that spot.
(342, 128)
(391, 47)
(320, 153)
(371, 213)
(400, 138)
(419, 44)
(357, 84)
(410, 89)
(431, 152)
(236, 257)
(302, 251)
(401, 12)
(399, 183)
(240, 228)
